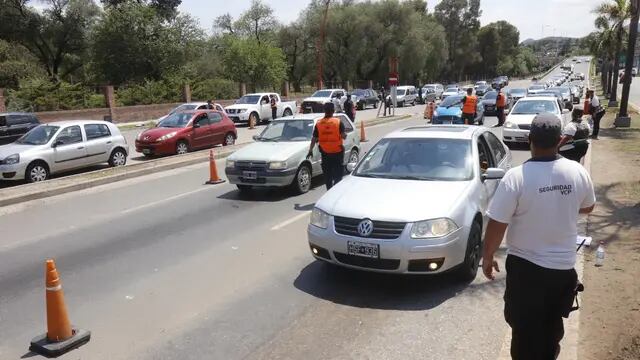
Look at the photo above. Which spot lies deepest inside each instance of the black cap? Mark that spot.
(546, 130)
(577, 112)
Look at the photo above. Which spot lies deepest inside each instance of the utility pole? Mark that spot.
(320, 44)
(623, 119)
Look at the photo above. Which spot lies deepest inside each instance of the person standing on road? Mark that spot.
(596, 111)
(539, 202)
(329, 133)
(349, 108)
(501, 103)
(210, 105)
(469, 104)
(274, 107)
(574, 143)
(420, 100)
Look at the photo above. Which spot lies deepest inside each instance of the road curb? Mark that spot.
(28, 192)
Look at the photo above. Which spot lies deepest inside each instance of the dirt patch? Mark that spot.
(610, 314)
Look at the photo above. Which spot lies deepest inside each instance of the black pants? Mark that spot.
(469, 119)
(535, 301)
(500, 115)
(274, 113)
(577, 153)
(333, 168)
(596, 123)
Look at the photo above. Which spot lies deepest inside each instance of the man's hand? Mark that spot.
(488, 265)
(309, 155)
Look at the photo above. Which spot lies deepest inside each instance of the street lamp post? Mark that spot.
(623, 119)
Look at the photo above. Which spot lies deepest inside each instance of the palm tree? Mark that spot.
(616, 12)
(604, 48)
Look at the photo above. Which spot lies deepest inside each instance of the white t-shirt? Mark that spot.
(595, 102)
(540, 201)
(571, 129)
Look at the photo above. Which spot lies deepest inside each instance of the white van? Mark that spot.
(406, 95)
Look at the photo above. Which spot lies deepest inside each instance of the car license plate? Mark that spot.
(446, 122)
(146, 151)
(363, 249)
(250, 175)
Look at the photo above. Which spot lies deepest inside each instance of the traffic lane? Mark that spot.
(108, 258)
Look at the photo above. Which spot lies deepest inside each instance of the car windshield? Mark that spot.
(429, 87)
(183, 107)
(249, 99)
(418, 159)
(39, 135)
(401, 91)
(177, 120)
(451, 100)
(359, 92)
(491, 95)
(322, 93)
(289, 130)
(565, 91)
(518, 92)
(536, 87)
(452, 88)
(534, 107)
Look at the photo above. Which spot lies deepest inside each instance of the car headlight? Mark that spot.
(139, 137)
(510, 125)
(167, 136)
(241, 111)
(433, 228)
(277, 165)
(230, 163)
(12, 159)
(319, 218)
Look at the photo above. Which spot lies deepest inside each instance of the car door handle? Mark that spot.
(80, 147)
(109, 142)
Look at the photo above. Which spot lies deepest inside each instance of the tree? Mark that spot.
(631, 46)
(57, 37)
(167, 9)
(261, 65)
(16, 64)
(258, 22)
(298, 47)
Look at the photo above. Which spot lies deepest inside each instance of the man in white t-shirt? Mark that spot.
(539, 203)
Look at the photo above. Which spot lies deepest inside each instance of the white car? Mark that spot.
(451, 90)
(257, 107)
(480, 83)
(315, 103)
(406, 95)
(190, 106)
(536, 88)
(518, 122)
(415, 204)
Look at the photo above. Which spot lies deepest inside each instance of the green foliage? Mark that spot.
(246, 60)
(214, 89)
(43, 95)
(16, 64)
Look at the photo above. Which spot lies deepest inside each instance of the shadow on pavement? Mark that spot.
(271, 194)
(382, 291)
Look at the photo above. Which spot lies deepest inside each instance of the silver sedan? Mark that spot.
(62, 146)
(416, 203)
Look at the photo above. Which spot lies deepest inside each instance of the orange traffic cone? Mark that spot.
(363, 137)
(60, 337)
(213, 171)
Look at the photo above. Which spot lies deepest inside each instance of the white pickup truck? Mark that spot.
(315, 103)
(258, 106)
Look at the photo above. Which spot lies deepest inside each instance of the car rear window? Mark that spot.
(3, 121)
(96, 131)
(21, 119)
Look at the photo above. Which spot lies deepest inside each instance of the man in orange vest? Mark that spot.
(329, 133)
(501, 103)
(469, 104)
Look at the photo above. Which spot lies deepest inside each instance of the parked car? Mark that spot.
(257, 108)
(449, 111)
(575, 93)
(186, 131)
(480, 83)
(438, 89)
(488, 103)
(406, 95)
(567, 97)
(62, 146)
(191, 106)
(433, 219)
(364, 98)
(278, 157)
(315, 103)
(518, 123)
(482, 89)
(428, 95)
(13, 125)
(451, 90)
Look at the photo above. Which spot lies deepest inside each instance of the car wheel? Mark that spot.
(229, 139)
(401, 104)
(375, 105)
(354, 157)
(36, 172)
(118, 158)
(469, 268)
(182, 147)
(287, 112)
(255, 118)
(302, 182)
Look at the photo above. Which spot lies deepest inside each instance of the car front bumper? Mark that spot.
(263, 178)
(156, 148)
(515, 135)
(241, 117)
(13, 172)
(403, 255)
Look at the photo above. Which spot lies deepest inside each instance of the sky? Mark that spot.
(534, 18)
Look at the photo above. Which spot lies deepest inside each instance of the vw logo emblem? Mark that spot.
(365, 228)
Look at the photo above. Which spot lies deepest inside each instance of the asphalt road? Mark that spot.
(164, 267)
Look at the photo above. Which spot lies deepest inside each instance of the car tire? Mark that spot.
(401, 104)
(302, 182)
(117, 158)
(182, 147)
(256, 119)
(354, 156)
(229, 139)
(287, 112)
(37, 171)
(469, 268)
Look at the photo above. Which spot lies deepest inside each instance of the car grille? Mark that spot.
(251, 165)
(381, 229)
(312, 107)
(371, 263)
(232, 111)
(447, 118)
(524, 126)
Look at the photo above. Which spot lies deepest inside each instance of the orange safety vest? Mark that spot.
(470, 104)
(587, 110)
(501, 101)
(329, 136)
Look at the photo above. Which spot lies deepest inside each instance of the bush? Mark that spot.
(149, 92)
(214, 89)
(43, 95)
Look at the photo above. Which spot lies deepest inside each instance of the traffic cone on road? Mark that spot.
(363, 137)
(61, 337)
(213, 170)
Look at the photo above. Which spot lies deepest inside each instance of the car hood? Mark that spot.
(452, 111)
(155, 133)
(10, 149)
(392, 200)
(240, 106)
(521, 119)
(450, 93)
(270, 151)
(317, 99)
(489, 102)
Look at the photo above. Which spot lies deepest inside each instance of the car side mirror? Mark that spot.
(493, 174)
(351, 166)
(57, 143)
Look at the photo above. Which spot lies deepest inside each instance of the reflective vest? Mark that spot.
(470, 104)
(501, 101)
(329, 136)
(587, 108)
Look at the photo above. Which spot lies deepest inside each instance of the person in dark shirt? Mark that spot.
(349, 108)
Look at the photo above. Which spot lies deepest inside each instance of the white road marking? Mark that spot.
(290, 221)
(159, 202)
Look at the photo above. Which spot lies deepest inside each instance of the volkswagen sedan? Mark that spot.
(416, 203)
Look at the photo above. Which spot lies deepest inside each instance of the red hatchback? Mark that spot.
(182, 132)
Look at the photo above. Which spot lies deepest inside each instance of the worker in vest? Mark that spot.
(469, 104)
(501, 103)
(329, 133)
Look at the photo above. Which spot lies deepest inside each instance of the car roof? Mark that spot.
(260, 94)
(15, 113)
(534, 97)
(77, 122)
(309, 116)
(462, 132)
